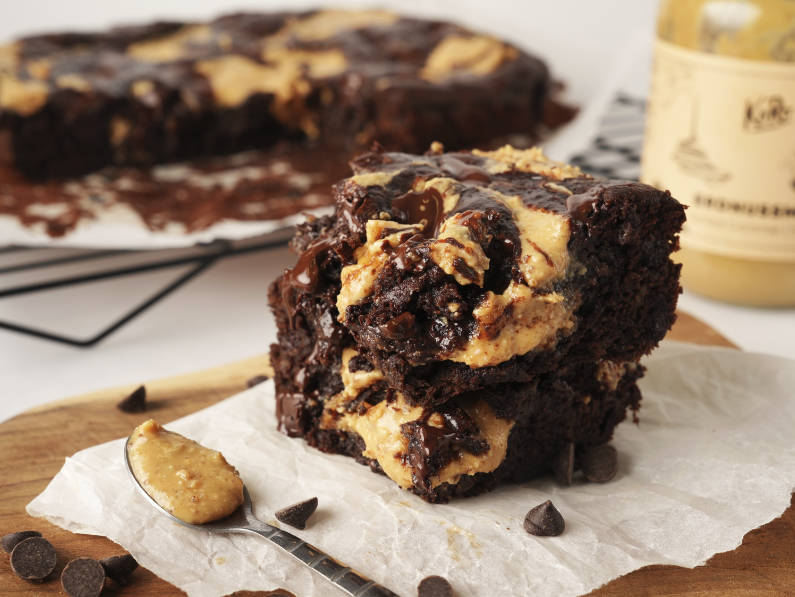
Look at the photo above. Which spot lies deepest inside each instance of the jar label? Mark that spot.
(720, 135)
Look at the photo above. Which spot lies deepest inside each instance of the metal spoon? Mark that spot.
(244, 521)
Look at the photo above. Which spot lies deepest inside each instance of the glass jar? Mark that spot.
(720, 134)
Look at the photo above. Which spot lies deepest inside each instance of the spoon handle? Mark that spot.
(344, 577)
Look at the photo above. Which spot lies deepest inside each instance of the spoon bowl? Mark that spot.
(243, 520)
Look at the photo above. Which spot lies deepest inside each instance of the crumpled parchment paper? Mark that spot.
(711, 459)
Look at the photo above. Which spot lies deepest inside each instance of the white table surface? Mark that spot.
(222, 315)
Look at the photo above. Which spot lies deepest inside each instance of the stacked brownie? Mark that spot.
(463, 318)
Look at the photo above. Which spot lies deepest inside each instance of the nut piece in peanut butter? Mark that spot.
(193, 483)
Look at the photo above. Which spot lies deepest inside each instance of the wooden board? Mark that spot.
(34, 444)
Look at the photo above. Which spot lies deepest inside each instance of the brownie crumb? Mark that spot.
(297, 514)
(9, 541)
(119, 568)
(256, 380)
(544, 521)
(600, 463)
(563, 467)
(135, 402)
(434, 586)
(83, 577)
(33, 559)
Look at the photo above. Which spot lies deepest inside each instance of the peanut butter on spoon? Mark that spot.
(193, 483)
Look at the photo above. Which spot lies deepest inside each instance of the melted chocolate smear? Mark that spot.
(414, 208)
(460, 170)
(304, 274)
(289, 413)
(428, 444)
(400, 327)
(252, 186)
(580, 205)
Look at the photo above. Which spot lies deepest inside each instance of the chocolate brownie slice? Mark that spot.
(71, 103)
(455, 272)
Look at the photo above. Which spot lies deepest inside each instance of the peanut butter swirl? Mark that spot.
(485, 223)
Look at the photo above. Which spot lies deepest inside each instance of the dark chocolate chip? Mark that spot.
(10, 540)
(256, 380)
(563, 467)
(33, 558)
(119, 568)
(600, 463)
(297, 514)
(83, 577)
(434, 586)
(135, 402)
(544, 521)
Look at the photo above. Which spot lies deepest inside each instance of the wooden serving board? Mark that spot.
(34, 444)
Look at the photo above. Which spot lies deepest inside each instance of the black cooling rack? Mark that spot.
(615, 153)
(99, 266)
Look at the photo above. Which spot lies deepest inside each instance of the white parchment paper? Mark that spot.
(712, 458)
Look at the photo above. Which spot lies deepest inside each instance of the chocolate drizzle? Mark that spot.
(304, 274)
(290, 413)
(460, 170)
(580, 205)
(416, 208)
(431, 447)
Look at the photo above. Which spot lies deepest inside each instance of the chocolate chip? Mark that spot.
(434, 586)
(119, 568)
(10, 540)
(563, 467)
(83, 577)
(33, 558)
(135, 402)
(544, 521)
(297, 514)
(600, 463)
(256, 380)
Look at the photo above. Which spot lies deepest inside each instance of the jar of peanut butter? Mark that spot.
(720, 134)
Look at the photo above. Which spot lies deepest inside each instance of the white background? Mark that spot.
(222, 315)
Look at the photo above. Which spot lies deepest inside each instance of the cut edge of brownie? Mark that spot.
(438, 460)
